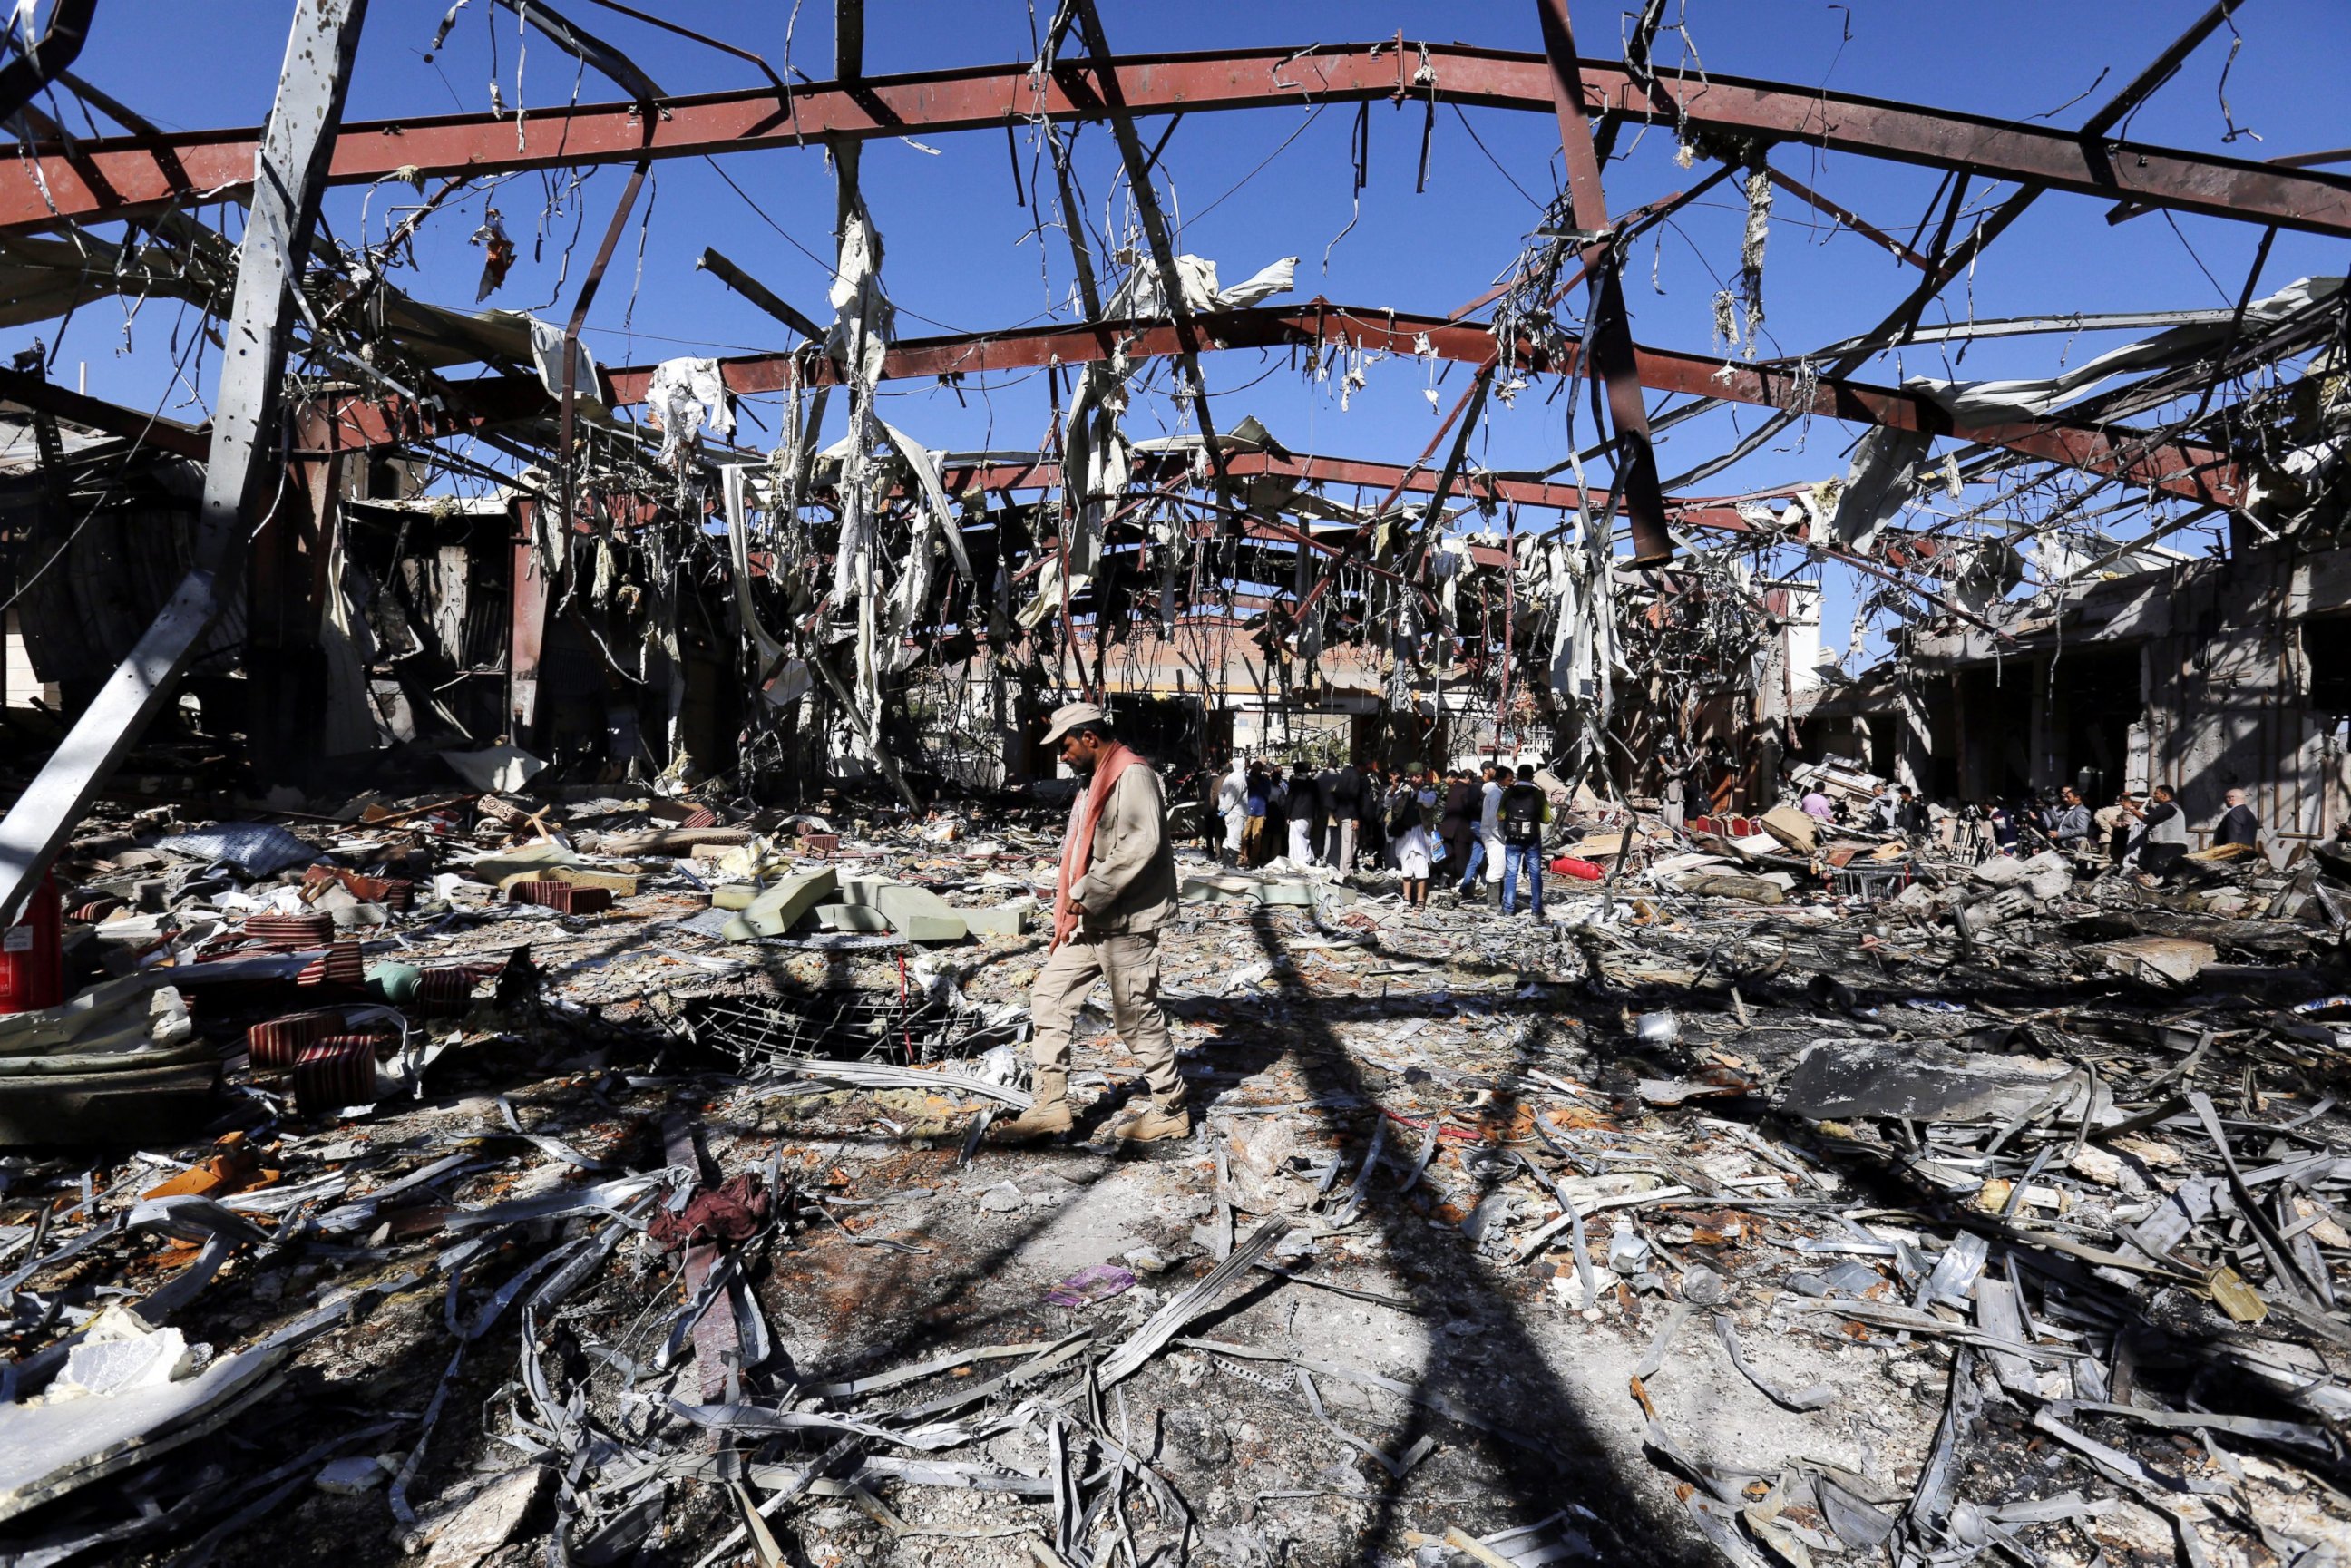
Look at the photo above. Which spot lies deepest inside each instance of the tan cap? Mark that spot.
(1070, 715)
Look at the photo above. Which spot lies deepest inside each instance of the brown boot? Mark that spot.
(1045, 1119)
(1157, 1124)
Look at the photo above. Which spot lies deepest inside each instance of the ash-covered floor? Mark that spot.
(1663, 1227)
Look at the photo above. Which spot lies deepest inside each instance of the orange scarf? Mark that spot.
(1078, 845)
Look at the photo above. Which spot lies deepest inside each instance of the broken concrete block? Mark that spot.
(2045, 876)
(2048, 875)
(734, 896)
(1213, 889)
(1005, 920)
(865, 890)
(2174, 959)
(784, 905)
(919, 915)
(1839, 1080)
(490, 1520)
(850, 917)
(2094, 1164)
(349, 1476)
(49, 1449)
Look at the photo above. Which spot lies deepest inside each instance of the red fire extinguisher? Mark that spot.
(33, 954)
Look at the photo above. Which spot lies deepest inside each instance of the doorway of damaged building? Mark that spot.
(2093, 699)
(2062, 719)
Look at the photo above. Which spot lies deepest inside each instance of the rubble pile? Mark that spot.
(470, 1220)
(551, 909)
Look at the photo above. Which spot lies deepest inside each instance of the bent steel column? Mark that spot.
(1612, 331)
(289, 175)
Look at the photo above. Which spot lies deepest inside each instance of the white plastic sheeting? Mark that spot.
(1140, 294)
(2181, 344)
(865, 320)
(686, 394)
(1881, 481)
(913, 588)
(546, 357)
(783, 679)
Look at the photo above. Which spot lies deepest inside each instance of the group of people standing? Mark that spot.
(1484, 826)
(2147, 832)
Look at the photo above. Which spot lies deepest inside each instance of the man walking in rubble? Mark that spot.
(1342, 796)
(1489, 821)
(1253, 812)
(1306, 813)
(1116, 887)
(1526, 810)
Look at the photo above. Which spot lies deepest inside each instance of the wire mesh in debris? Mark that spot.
(842, 1026)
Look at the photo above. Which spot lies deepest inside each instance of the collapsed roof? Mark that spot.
(855, 570)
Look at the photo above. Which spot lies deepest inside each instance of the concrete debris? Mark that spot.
(1442, 1141)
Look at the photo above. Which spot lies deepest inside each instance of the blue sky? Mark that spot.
(1253, 186)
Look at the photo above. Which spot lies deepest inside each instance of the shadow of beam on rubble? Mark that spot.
(910, 1293)
(924, 1288)
(2169, 1348)
(1530, 1396)
(629, 935)
(909, 1297)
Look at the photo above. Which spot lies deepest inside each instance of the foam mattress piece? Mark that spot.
(1007, 920)
(784, 905)
(919, 915)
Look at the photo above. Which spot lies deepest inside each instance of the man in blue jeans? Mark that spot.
(1526, 809)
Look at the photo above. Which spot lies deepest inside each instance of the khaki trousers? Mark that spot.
(1341, 846)
(1130, 965)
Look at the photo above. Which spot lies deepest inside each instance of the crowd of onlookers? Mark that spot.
(1464, 831)
(2147, 831)
(1471, 831)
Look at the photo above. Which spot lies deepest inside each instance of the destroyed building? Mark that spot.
(538, 806)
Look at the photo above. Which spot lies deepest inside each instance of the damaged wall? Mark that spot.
(2198, 675)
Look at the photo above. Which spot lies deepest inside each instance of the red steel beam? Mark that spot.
(115, 176)
(1612, 350)
(1713, 514)
(2196, 473)
(1314, 470)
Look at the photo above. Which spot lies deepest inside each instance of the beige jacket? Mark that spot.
(1130, 884)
